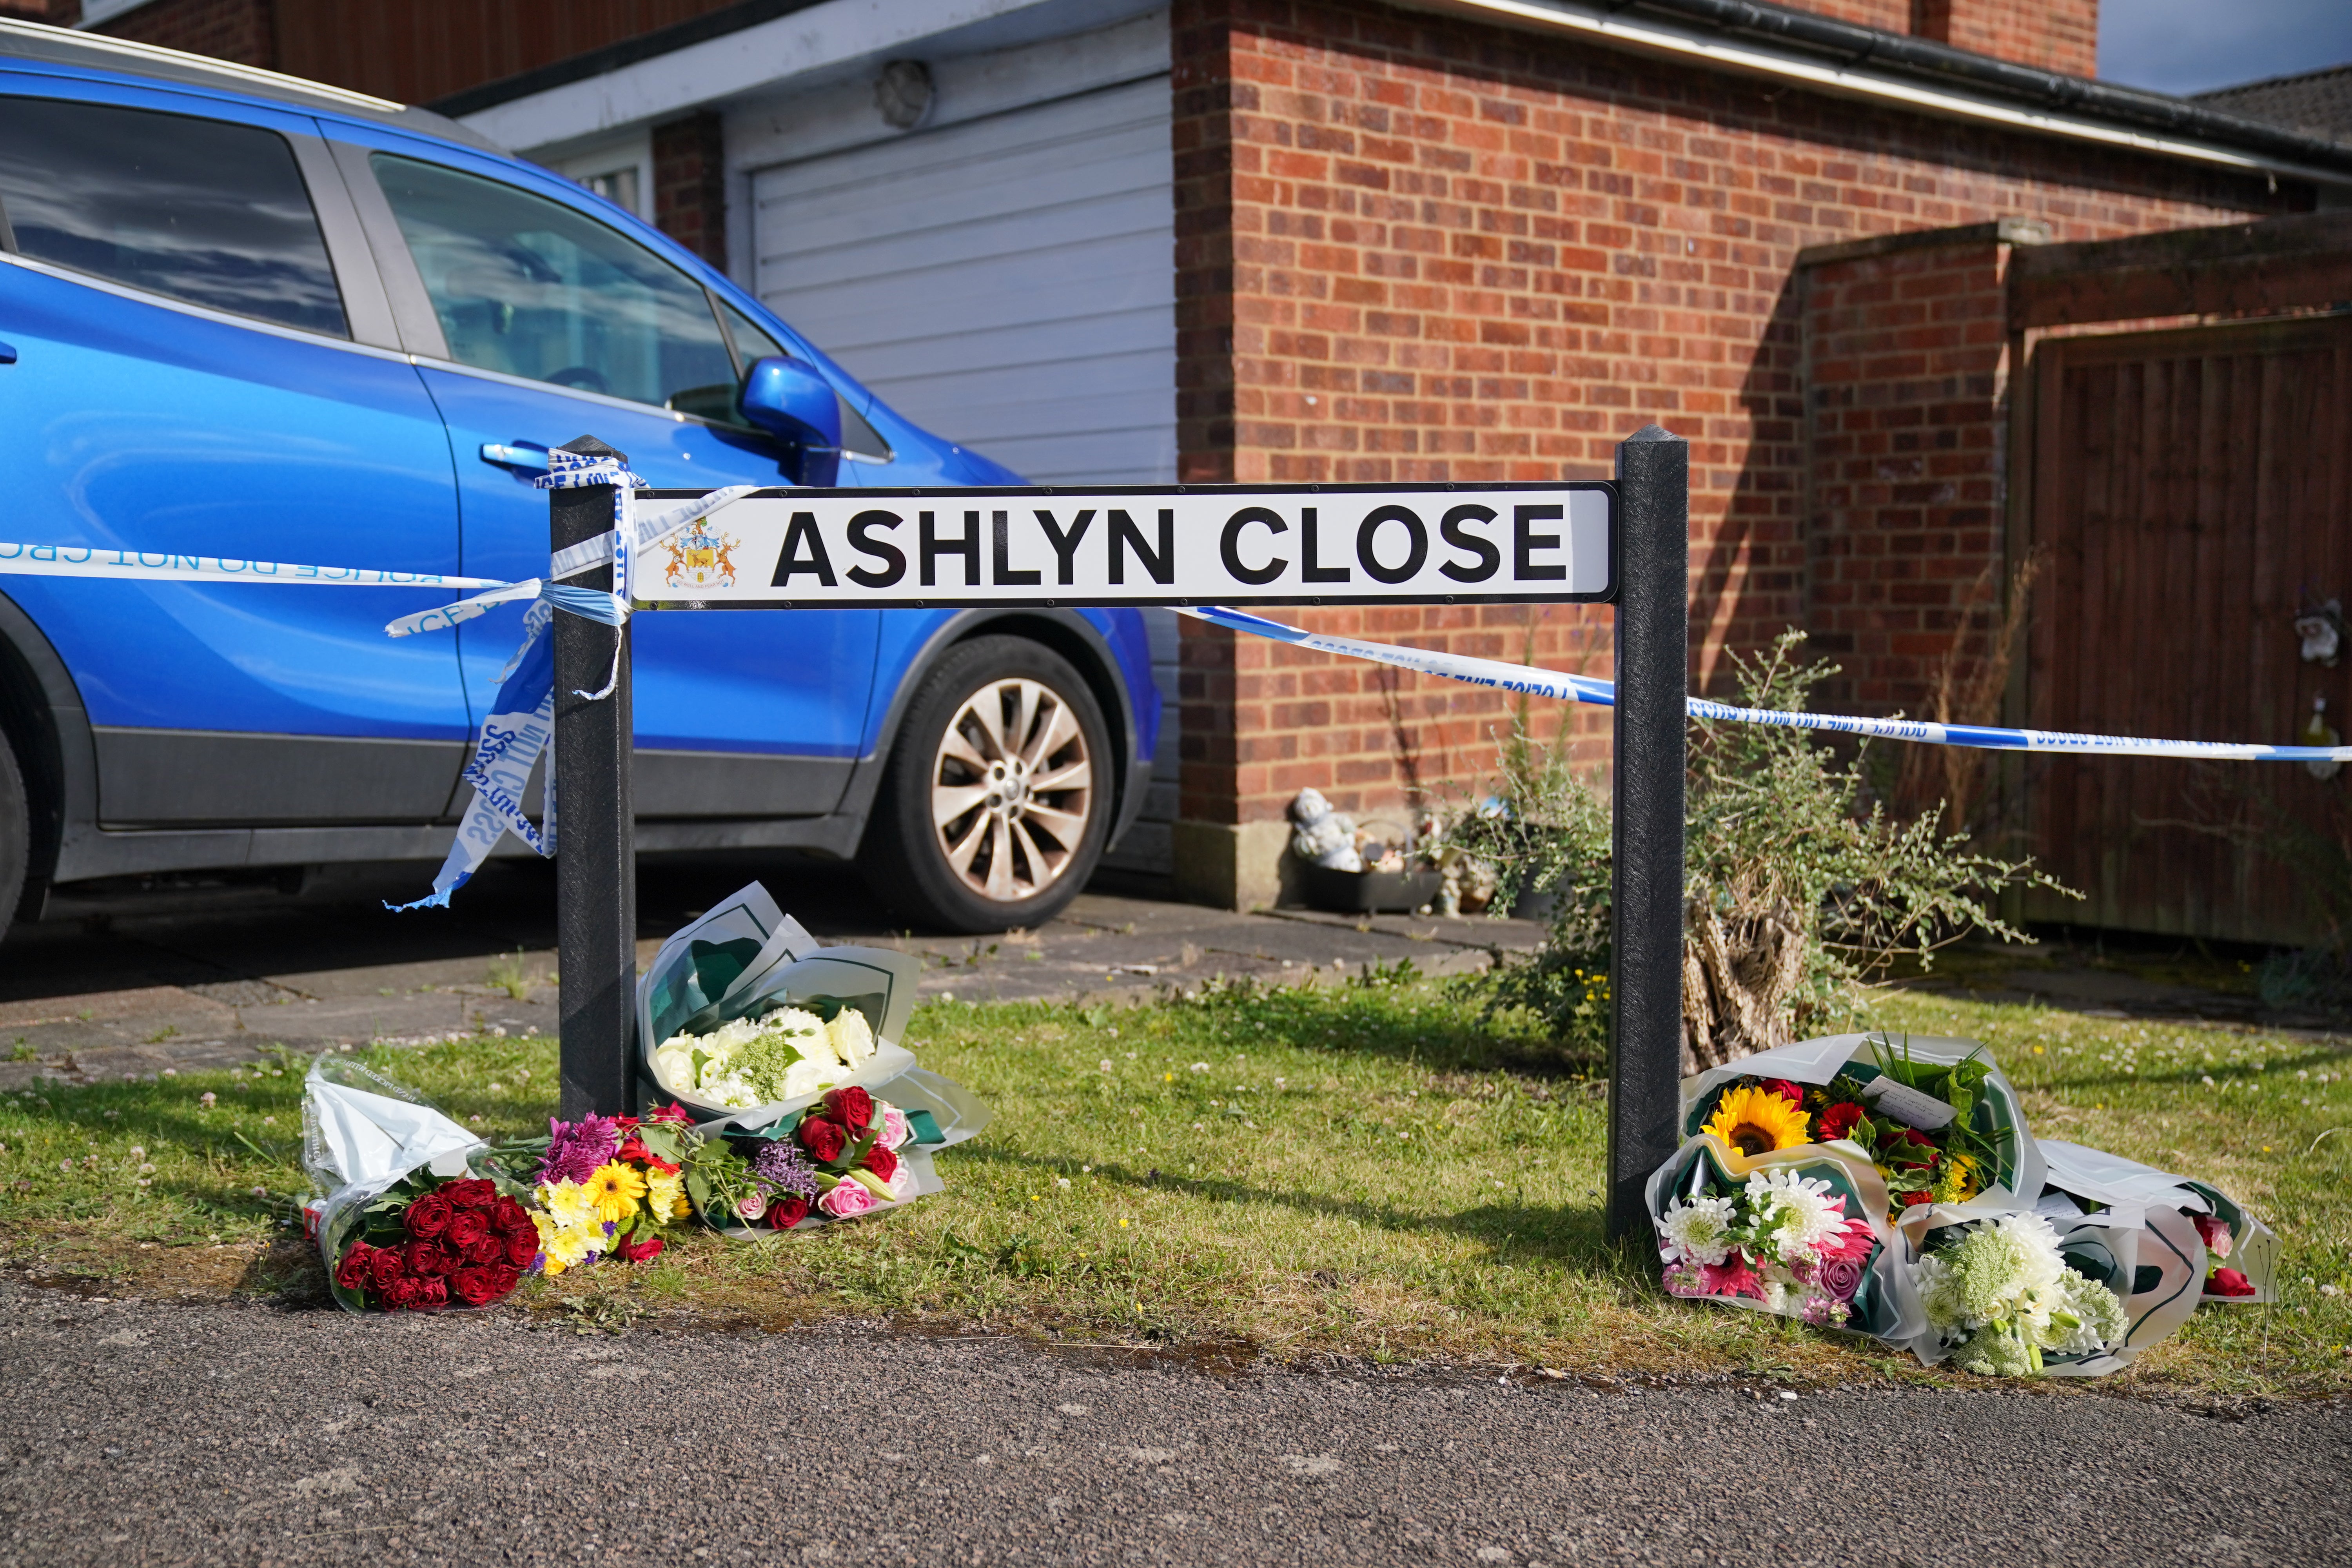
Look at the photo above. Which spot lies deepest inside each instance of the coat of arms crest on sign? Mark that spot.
(701, 557)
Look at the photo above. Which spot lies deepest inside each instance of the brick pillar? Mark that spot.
(2049, 35)
(1219, 858)
(1907, 349)
(690, 185)
(242, 32)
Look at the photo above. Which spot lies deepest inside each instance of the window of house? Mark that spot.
(196, 210)
(531, 288)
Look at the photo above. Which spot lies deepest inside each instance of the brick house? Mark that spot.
(1428, 240)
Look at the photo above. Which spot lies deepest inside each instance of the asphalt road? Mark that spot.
(148, 1434)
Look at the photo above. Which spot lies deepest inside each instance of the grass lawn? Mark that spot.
(1360, 1172)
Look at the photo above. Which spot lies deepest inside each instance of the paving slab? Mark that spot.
(153, 985)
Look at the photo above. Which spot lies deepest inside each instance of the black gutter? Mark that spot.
(1849, 45)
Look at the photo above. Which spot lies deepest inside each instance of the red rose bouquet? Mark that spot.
(427, 1243)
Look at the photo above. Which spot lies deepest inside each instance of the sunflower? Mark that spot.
(1956, 1183)
(616, 1188)
(1756, 1121)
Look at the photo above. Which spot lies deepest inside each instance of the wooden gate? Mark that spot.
(2187, 492)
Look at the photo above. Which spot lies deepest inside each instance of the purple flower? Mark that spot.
(779, 1166)
(1824, 1312)
(1683, 1282)
(1841, 1277)
(574, 1149)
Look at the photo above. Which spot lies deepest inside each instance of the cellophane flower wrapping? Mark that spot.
(405, 1211)
(1799, 1232)
(2234, 1255)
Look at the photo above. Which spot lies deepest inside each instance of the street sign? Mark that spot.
(1175, 545)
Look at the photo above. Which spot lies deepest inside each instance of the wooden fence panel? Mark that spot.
(2187, 490)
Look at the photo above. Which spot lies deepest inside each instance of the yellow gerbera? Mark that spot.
(615, 1189)
(1756, 1121)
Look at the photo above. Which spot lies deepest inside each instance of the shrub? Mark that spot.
(1799, 888)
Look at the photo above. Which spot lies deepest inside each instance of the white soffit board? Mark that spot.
(1007, 282)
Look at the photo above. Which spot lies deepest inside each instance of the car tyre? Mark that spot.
(996, 804)
(15, 834)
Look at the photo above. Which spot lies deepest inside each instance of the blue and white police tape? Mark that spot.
(1518, 677)
(520, 727)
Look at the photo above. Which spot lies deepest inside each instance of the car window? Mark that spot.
(528, 286)
(199, 210)
(753, 343)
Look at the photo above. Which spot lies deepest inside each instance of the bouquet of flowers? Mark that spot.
(606, 1186)
(427, 1243)
(2234, 1255)
(1783, 1240)
(848, 1156)
(2000, 1296)
(401, 1217)
(1934, 1117)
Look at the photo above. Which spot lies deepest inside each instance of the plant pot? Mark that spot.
(1368, 892)
(1531, 905)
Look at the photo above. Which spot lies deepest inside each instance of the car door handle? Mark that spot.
(515, 455)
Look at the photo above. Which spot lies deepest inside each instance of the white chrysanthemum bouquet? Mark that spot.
(1999, 1295)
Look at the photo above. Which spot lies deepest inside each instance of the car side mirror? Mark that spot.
(793, 404)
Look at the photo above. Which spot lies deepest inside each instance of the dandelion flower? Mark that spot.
(1755, 1122)
(615, 1189)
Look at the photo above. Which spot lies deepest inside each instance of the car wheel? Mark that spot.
(997, 798)
(16, 835)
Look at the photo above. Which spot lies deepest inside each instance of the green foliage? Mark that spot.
(1798, 884)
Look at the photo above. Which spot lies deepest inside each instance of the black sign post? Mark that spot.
(1645, 1037)
(596, 839)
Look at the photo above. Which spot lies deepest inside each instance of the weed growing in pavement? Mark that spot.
(1364, 1170)
(508, 974)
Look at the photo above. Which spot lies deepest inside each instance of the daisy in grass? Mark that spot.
(1755, 1122)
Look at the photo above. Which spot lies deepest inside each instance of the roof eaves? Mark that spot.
(1850, 58)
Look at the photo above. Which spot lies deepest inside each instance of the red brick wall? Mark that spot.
(1413, 248)
(2053, 35)
(690, 185)
(413, 51)
(56, 13)
(238, 31)
(1906, 359)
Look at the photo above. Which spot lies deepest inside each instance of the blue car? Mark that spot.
(250, 316)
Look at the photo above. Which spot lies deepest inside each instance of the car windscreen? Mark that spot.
(197, 210)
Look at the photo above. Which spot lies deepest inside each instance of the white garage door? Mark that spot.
(1008, 283)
